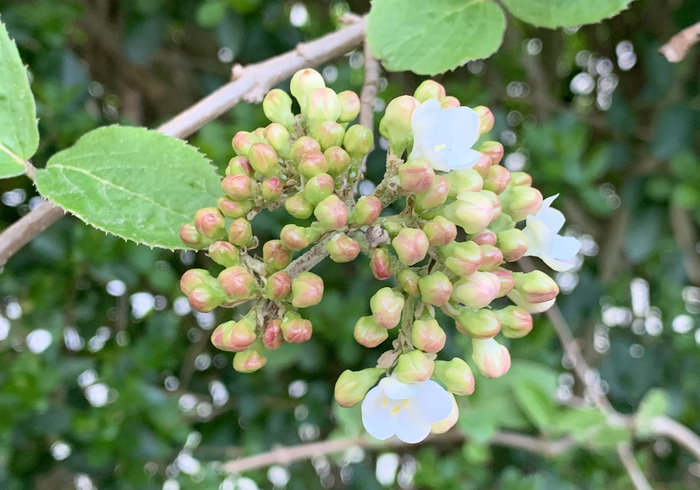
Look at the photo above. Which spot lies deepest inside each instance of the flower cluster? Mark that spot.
(449, 249)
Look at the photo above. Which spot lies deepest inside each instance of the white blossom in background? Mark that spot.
(558, 252)
(405, 410)
(445, 137)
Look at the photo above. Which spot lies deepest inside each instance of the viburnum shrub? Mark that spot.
(451, 247)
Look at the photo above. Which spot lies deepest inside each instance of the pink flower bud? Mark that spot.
(224, 253)
(239, 165)
(483, 164)
(521, 201)
(467, 180)
(472, 211)
(435, 196)
(242, 141)
(192, 238)
(234, 336)
(234, 209)
(297, 238)
(416, 175)
(332, 213)
(380, 263)
(456, 375)
(276, 255)
(358, 141)
(322, 104)
(341, 248)
(486, 119)
(440, 231)
(408, 280)
(449, 102)
(205, 299)
(238, 283)
(196, 277)
(349, 106)
(477, 290)
(493, 149)
(428, 336)
(507, 282)
(366, 211)
(413, 367)
(278, 286)
(516, 322)
(263, 159)
(480, 324)
(307, 290)
(535, 286)
(435, 289)
(278, 138)
(302, 146)
(368, 333)
(520, 178)
(318, 188)
(272, 337)
(210, 223)
(338, 160)
(497, 179)
(240, 232)
(277, 106)
(352, 386)
(486, 237)
(513, 243)
(295, 329)
(411, 245)
(386, 306)
(298, 206)
(395, 126)
(462, 258)
(249, 361)
(491, 358)
(238, 187)
(303, 83)
(312, 163)
(429, 89)
(328, 134)
(271, 189)
(493, 258)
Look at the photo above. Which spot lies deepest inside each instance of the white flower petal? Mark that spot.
(436, 159)
(458, 125)
(424, 119)
(396, 390)
(559, 265)
(461, 161)
(433, 402)
(411, 430)
(539, 237)
(548, 202)
(371, 399)
(553, 218)
(380, 423)
(564, 247)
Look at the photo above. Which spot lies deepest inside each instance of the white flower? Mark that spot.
(445, 137)
(542, 229)
(405, 410)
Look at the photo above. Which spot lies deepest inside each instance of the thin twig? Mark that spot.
(251, 84)
(677, 47)
(370, 88)
(664, 426)
(626, 455)
(309, 259)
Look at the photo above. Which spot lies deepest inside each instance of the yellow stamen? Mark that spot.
(385, 401)
(395, 410)
(405, 402)
(440, 147)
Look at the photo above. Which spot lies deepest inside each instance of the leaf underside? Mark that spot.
(564, 13)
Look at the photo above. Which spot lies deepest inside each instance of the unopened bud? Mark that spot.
(278, 138)
(234, 336)
(535, 286)
(486, 237)
(192, 238)
(328, 134)
(521, 178)
(249, 361)
(486, 119)
(303, 83)
(349, 106)
(440, 231)
(516, 322)
(513, 243)
(341, 248)
(272, 337)
(368, 333)
(472, 211)
(196, 277)
(210, 223)
(332, 213)
(322, 105)
(411, 245)
(506, 279)
(277, 106)
(380, 263)
(278, 286)
(477, 290)
(307, 290)
(302, 146)
(450, 102)
(428, 336)
(240, 232)
(491, 358)
(239, 165)
(414, 366)
(234, 209)
(416, 175)
(352, 386)
(238, 283)
(271, 189)
(408, 280)
(263, 159)
(224, 253)
(435, 289)
(483, 164)
(493, 258)
(366, 211)
(298, 206)
(276, 255)
(462, 258)
(358, 141)
(521, 201)
(386, 306)
(435, 196)
(480, 324)
(493, 149)
(205, 299)
(447, 423)
(318, 188)
(297, 238)
(242, 141)
(429, 89)
(238, 187)
(395, 126)
(497, 179)
(456, 375)
(466, 180)
(338, 160)
(312, 163)
(295, 329)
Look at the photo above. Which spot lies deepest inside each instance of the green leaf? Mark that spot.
(535, 402)
(654, 404)
(132, 182)
(19, 136)
(434, 36)
(564, 13)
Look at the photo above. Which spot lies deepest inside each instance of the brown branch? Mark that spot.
(370, 88)
(667, 427)
(677, 47)
(686, 238)
(310, 258)
(626, 455)
(251, 83)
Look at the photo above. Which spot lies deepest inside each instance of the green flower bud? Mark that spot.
(435, 289)
(352, 386)
(429, 89)
(386, 306)
(395, 126)
(456, 375)
(322, 105)
(428, 336)
(238, 283)
(507, 282)
(476, 290)
(486, 237)
(413, 367)
(204, 298)
(513, 243)
(197, 277)
(449, 102)
(192, 238)
(483, 164)
(295, 329)
(234, 209)
(493, 149)
(238, 187)
(210, 223)
(332, 213)
(328, 134)
(242, 141)
(239, 165)
(368, 333)
(278, 138)
(278, 286)
(380, 263)
(349, 106)
(392, 225)
(472, 211)
(493, 258)
(312, 163)
(235, 336)
(263, 159)
(249, 361)
(497, 179)
(535, 286)
(302, 146)
(307, 290)
(271, 189)
(338, 160)
(303, 83)
(276, 256)
(240, 232)
(272, 337)
(486, 119)
(366, 211)
(358, 141)
(480, 324)
(318, 188)
(297, 238)
(521, 201)
(341, 248)
(466, 180)
(411, 245)
(491, 358)
(435, 196)
(298, 206)
(416, 175)
(520, 178)
(462, 258)
(408, 280)
(224, 253)
(440, 231)
(277, 106)
(516, 322)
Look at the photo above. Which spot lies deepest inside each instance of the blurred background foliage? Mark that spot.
(109, 381)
